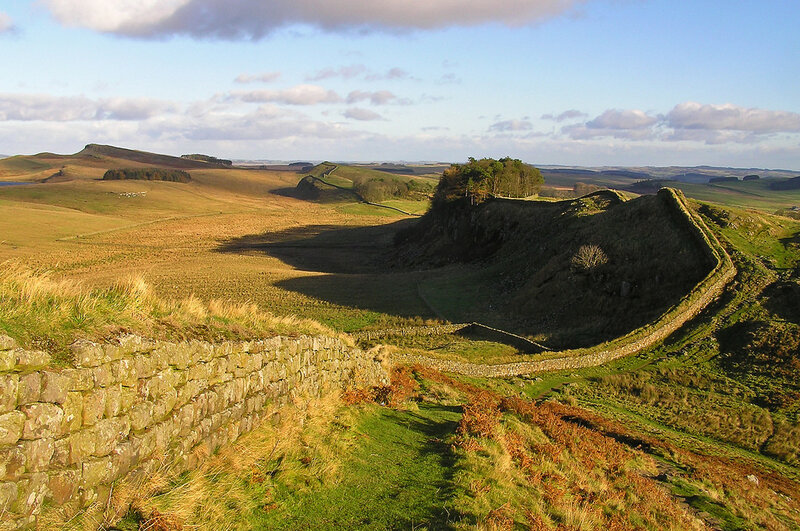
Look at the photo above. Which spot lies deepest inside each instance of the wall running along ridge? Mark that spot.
(134, 405)
(709, 289)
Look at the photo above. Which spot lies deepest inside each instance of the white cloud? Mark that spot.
(254, 19)
(622, 119)
(265, 77)
(692, 115)
(381, 97)
(297, 95)
(6, 24)
(30, 107)
(356, 113)
(511, 125)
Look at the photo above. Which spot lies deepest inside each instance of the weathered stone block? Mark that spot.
(124, 458)
(201, 350)
(96, 471)
(94, 405)
(54, 387)
(31, 492)
(42, 421)
(9, 391)
(60, 457)
(73, 412)
(79, 379)
(128, 397)
(199, 371)
(30, 388)
(81, 446)
(132, 344)
(113, 401)
(38, 454)
(164, 406)
(141, 416)
(12, 463)
(8, 360)
(63, 485)
(87, 353)
(107, 433)
(124, 372)
(8, 496)
(31, 360)
(7, 343)
(102, 375)
(144, 366)
(180, 356)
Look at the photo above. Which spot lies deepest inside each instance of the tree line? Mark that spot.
(147, 174)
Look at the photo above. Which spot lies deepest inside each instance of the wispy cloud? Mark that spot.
(507, 126)
(364, 115)
(39, 107)
(265, 77)
(572, 114)
(255, 19)
(297, 95)
(381, 97)
(344, 72)
(390, 75)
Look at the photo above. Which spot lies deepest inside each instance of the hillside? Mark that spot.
(571, 273)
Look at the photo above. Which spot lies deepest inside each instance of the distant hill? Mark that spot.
(143, 157)
(788, 184)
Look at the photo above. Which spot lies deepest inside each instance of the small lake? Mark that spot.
(12, 183)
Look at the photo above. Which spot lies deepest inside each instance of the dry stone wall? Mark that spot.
(709, 289)
(132, 405)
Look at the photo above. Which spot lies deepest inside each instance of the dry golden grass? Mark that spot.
(39, 310)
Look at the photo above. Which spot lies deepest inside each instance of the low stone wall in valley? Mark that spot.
(133, 405)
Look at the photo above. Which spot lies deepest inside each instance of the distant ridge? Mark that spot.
(143, 157)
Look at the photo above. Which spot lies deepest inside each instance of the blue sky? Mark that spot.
(593, 82)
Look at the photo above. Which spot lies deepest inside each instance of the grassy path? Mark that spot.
(397, 477)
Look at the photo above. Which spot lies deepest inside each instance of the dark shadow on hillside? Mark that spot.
(323, 248)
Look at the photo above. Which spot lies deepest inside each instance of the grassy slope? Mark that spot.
(702, 454)
(458, 457)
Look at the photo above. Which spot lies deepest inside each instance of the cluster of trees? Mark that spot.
(480, 179)
(379, 189)
(207, 158)
(148, 174)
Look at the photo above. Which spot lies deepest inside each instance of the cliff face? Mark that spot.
(573, 273)
(128, 407)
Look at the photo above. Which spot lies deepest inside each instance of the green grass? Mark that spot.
(753, 195)
(396, 476)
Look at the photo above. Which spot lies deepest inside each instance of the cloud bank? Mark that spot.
(255, 19)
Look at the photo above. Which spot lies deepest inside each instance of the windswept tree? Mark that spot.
(480, 179)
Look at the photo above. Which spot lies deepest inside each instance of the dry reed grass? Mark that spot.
(40, 310)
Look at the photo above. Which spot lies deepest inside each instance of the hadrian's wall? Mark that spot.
(127, 407)
(704, 293)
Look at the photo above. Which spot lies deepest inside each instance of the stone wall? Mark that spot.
(131, 405)
(704, 293)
